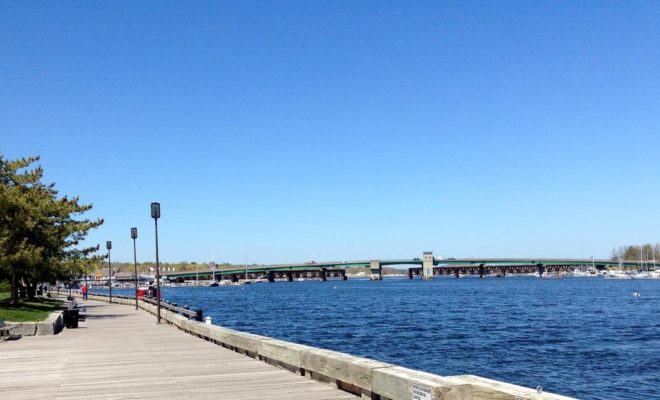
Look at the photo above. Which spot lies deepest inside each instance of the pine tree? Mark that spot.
(39, 232)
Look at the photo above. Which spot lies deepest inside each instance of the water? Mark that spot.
(588, 338)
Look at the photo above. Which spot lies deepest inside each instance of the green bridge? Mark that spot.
(427, 266)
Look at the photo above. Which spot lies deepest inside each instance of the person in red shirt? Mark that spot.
(84, 292)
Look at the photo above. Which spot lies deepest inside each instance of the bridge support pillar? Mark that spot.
(456, 272)
(289, 276)
(343, 275)
(410, 273)
(427, 265)
(541, 269)
(271, 276)
(481, 270)
(376, 270)
(324, 276)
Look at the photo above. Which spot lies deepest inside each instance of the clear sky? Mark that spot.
(279, 131)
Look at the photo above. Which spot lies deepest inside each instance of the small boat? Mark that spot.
(214, 284)
(641, 275)
(617, 275)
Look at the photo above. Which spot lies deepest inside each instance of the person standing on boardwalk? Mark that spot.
(84, 292)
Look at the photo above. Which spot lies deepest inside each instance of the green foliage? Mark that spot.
(39, 231)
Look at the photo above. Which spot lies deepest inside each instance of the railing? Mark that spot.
(195, 314)
(185, 310)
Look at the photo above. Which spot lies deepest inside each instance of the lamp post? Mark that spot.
(108, 245)
(134, 236)
(155, 214)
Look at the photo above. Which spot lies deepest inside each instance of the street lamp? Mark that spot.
(155, 214)
(108, 245)
(134, 236)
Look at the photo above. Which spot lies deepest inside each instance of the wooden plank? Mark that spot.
(118, 352)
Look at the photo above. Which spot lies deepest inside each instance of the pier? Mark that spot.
(120, 352)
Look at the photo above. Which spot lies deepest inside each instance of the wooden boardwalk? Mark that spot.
(120, 353)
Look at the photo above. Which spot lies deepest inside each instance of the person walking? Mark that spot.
(84, 292)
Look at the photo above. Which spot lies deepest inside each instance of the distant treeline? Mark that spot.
(646, 252)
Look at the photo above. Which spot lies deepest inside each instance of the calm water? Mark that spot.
(588, 337)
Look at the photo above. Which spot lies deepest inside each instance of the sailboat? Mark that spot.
(645, 273)
(213, 283)
(617, 274)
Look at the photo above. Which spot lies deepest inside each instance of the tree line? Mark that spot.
(647, 252)
(41, 232)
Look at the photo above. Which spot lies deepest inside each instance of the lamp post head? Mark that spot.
(133, 233)
(155, 210)
(108, 245)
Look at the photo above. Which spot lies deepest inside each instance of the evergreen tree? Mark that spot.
(39, 232)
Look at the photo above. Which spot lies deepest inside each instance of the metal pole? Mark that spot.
(136, 274)
(85, 269)
(110, 275)
(157, 276)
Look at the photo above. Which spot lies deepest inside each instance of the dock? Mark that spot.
(121, 353)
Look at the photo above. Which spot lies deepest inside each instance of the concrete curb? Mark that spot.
(52, 325)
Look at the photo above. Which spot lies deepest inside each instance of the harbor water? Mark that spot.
(588, 338)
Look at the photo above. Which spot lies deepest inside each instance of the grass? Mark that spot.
(28, 310)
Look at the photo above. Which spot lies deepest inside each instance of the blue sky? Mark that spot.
(290, 131)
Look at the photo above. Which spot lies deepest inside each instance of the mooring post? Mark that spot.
(198, 315)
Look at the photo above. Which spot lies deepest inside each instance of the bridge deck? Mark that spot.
(121, 353)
